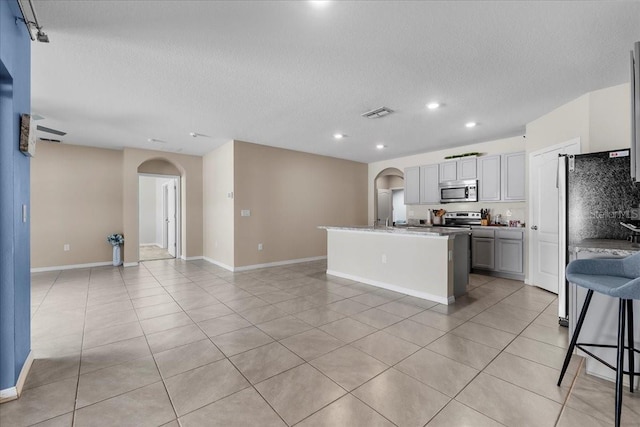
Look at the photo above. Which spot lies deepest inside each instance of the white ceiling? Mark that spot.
(288, 74)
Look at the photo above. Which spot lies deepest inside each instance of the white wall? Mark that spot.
(148, 212)
(151, 209)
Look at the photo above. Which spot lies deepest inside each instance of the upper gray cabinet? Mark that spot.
(458, 170)
(513, 172)
(489, 173)
(412, 185)
(429, 192)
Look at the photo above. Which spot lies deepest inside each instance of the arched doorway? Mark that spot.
(388, 197)
(159, 201)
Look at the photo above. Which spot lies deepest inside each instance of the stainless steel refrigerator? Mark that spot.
(596, 194)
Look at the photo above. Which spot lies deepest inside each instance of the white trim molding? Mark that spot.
(71, 266)
(130, 264)
(12, 393)
(388, 286)
(191, 258)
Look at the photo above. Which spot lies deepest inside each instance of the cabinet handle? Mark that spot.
(534, 227)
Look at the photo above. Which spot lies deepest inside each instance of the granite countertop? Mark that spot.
(608, 246)
(417, 231)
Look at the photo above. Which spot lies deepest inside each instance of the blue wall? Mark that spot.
(15, 279)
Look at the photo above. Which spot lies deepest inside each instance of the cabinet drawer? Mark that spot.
(482, 233)
(509, 234)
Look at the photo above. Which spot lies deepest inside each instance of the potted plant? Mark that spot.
(116, 240)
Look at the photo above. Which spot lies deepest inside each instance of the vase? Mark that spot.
(116, 256)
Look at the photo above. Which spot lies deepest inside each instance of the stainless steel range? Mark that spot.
(461, 219)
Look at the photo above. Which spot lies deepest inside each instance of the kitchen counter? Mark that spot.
(604, 246)
(422, 231)
(425, 262)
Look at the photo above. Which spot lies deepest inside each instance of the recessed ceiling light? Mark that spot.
(433, 105)
(319, 4)
(339, 135)
(471, 124)
(380, 146)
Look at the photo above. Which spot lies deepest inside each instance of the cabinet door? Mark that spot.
(513, 173)
(448, 171)
(412, 185)
(467, 168)
(429, 191)
(482, 253)
(489, 178)
(509, 255)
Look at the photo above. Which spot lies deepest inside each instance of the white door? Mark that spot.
(171, 217)
(544, 207)
(384, 206)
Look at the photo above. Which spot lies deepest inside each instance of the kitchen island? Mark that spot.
(429, 263)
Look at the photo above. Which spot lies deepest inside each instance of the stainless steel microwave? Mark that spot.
(459, 191)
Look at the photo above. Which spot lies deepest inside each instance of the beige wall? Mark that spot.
(190, 168)
(290, 194)
(76, 199)
(217, 171)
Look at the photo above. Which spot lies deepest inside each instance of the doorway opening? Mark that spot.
(159, 216)
(388, 198)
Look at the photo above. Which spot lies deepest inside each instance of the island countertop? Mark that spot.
(446, 232)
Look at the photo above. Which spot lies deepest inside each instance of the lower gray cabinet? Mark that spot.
(482, 253)
(509, 255)
(498, 252)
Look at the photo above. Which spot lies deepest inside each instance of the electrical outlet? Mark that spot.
(245, 212)
(67, 247)
(384, 258)
(259, 246)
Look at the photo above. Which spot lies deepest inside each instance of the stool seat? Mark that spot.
(617, 278)
(613, 286)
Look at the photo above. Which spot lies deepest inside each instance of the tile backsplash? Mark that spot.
(517, 209)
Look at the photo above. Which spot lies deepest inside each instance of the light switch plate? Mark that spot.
(245, 212)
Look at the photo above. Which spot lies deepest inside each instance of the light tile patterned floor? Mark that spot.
(173, 342)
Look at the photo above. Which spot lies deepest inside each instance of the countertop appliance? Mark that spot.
(458, 191)
(596, 194)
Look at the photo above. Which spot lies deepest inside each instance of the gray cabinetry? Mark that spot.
(489, 174)
(429, 192)
(482, 253)
(499, 252)
(412, 185)
(513, 173)
(449, 171)
(458, 170)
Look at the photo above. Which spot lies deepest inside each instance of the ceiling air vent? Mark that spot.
(57, 141)
(377, 113)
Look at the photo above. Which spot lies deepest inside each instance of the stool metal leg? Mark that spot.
(630, 342)
(620, 365)
(574, 339)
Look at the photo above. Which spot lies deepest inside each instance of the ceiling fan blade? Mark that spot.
(53, 131)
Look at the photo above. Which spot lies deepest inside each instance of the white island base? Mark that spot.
(432, 265)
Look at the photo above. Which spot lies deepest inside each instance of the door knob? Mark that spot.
(534, 227)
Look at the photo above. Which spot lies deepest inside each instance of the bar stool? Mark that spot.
(617, 278)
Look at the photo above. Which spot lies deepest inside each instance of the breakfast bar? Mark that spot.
(428, 263)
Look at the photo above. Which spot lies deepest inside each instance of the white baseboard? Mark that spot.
(71, 266)
(130, 264)
(191, 258)
(157, 245)
(12, 393)
(269, 264)
(219, 264)
(388, 286)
